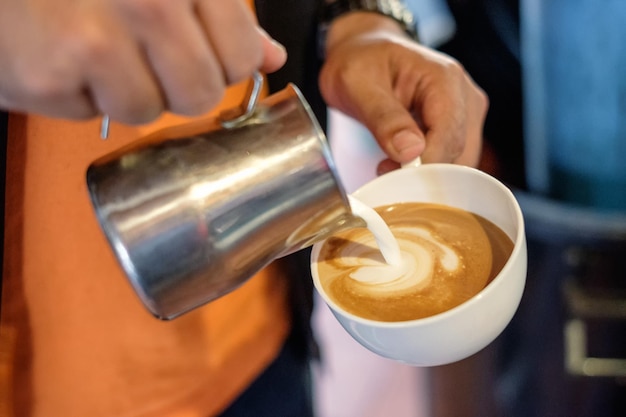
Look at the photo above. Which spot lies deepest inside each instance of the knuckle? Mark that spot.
(142, 106)
(455, 146)
(240, 72)
(42, 85)
(339, 75)
(243, 65)
(454, 70)
(133, 113)
(203, 100)
(138, 107)
(92, 48)
(447, 147)
(146, 12)
(453, 64)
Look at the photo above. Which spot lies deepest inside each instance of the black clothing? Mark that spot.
(487, 43)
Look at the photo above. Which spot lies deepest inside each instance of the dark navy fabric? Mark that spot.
(283, 390)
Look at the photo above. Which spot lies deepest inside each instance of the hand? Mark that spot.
(129, 59)
(414, 100)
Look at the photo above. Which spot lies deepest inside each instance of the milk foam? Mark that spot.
(384, 238)
(405, 264)
(419, 251)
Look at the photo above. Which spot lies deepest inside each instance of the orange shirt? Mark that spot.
(75, 340)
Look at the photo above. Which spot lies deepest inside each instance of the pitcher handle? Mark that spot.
(230, 120)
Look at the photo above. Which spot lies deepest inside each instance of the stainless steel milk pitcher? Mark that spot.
(193, 218)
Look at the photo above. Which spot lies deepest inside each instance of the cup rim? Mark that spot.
(519, 244)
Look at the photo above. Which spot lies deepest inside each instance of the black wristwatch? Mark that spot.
(394, 9)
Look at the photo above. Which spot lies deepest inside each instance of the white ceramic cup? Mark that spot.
(463, 330)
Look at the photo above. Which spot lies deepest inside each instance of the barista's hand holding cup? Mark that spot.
(459, 276)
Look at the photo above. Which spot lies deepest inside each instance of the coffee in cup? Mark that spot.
(448, 255)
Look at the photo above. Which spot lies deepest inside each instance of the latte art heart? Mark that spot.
(419, 249)
(447, 256)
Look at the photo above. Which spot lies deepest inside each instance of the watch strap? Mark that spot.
(394, 9)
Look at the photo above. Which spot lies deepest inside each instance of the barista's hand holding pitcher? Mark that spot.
(129, 59)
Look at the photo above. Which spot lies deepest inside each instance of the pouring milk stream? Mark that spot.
(395, 264)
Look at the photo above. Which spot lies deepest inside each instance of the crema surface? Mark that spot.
(448, 256)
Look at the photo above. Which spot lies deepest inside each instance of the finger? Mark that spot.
(454, 121)
(239, 52)
(274, 54)
(386, 165)
(40, 78)
(126, 92)
(116, 73)
(444, 114)
(392, 125)
(35, 91)
(77, 106)
(472, 151)
(190, 79)
(445, 131)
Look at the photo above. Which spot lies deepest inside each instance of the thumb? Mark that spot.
(394, 128)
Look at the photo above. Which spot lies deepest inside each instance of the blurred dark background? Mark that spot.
(555, 133)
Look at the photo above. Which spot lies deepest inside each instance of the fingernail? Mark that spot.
(278, 55)
(278, 45)
(273, 41)
(408, 145)
(281, 48)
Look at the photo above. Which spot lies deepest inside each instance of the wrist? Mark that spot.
(353, 24)
(362, 15)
